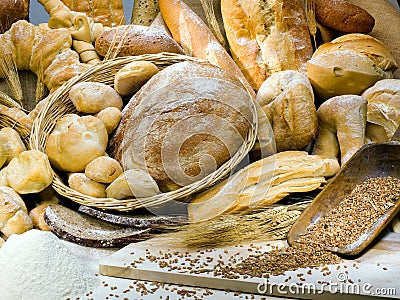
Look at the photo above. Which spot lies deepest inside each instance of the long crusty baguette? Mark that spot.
(267, 36)
(196, 38)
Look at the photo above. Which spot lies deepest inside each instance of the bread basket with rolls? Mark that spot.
(59, 104)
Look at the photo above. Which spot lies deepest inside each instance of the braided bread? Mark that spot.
(46, 52)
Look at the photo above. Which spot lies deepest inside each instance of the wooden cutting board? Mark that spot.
(376, 273)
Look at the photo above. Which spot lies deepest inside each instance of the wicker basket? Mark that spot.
(7, 121)
(59, 104)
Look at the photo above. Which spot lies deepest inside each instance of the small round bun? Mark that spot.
(75, 142)
(110, 117)
(92, 97)
(103, 169)
(80, 183)
(132, 76)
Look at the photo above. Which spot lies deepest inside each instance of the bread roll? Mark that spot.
(287, 99)
(197, 40)
(80, 183)
(267, 36)
(29, 172)
(13, 213)
(103, 169)
(75, 142)
(383, 108)
(108, 12)
(349, 65)
(110, 116)
(185, 122)
(132, 76)
(343, 16)
(132, 183)
(37, 217)
(136, 40)
(11, 142)
(92, 97)
(341, 122)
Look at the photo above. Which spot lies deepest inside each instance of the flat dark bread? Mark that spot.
(84, 230)
(137, 221)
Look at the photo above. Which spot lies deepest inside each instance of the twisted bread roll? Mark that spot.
(44, 51)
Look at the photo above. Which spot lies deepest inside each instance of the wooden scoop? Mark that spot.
(371, 160)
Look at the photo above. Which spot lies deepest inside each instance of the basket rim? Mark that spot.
(52, 110)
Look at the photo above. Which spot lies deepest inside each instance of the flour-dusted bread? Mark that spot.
(75, 142)
(267, 36)
(103, 169)
(13, 213)
(11, 142)
(383, 109)
(185, 122)
(84, 185)
(287, 99)
(349, 65)
(29, 172)
(110, 116)
(92, 97)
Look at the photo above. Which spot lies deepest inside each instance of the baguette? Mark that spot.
(197, 40)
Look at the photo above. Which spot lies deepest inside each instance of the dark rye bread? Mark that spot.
(343, 16)
(87, 231)
(194, 112)
(137, 221)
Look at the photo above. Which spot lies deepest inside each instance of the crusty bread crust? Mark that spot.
(267, 36)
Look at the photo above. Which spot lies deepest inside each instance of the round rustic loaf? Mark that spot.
(184, 123)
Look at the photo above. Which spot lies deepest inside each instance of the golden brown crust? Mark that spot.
(197, 39)
(12, 11)
(108, 12)
(343, 16)
(185, 97)
(137, 39)
(288, 102)
(266, 36)
(341, 122)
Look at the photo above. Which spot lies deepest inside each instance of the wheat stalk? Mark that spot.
(116, 45)
(212, 22)
(8, 101)
(9, 71)
(269, 223)
(311, 20)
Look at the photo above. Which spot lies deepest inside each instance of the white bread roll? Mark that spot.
(103, 169)
(37, 217)
(110, 116)
(3, 177)
(383, 108)
(80, 183)
(75, 142)
(13, 213)
(11, 142)
(349, 65)
(92, 97)
(29, 172)
(132, 183)
(132, 76)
